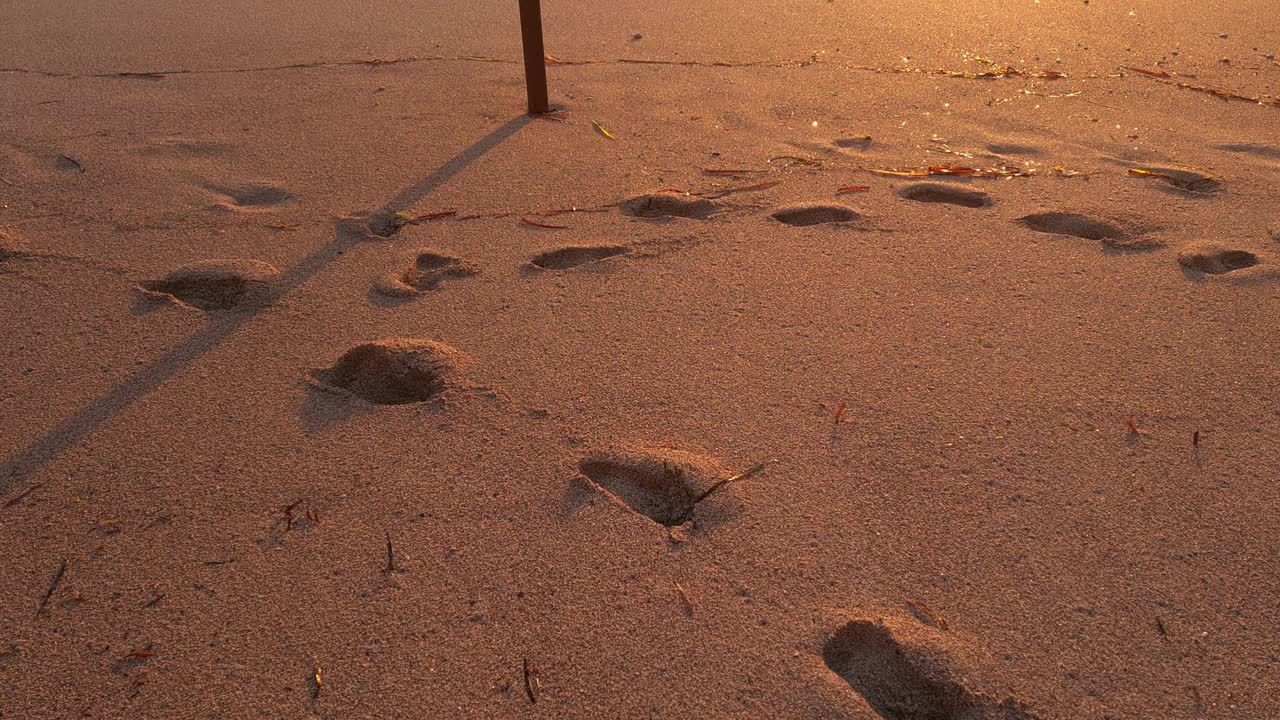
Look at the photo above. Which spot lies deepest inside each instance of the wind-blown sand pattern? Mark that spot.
(868, 360)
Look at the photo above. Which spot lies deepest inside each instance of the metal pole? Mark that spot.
(535, 66)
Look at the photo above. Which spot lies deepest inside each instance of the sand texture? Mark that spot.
(815, 359)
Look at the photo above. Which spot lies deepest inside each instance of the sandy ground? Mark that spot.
(205, 462)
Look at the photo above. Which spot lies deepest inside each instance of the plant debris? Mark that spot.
(530, 681)
(603, 130)
(852, 189)
(728, 481)
(53, 586)
(535, 223)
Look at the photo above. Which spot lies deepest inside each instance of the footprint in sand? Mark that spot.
(947, 194)
(575, 255)
(1186, 181)
(393, 371)
(669, 205)
(10, 247)
(806, 214)
(430, 267)
(1087, 228)
(1012, 149)
(374, 225)
(904, 670)
(1258, 150)
(666, 486)
(250, 197)
(215, 285)
(861, 144)
(1214, 259)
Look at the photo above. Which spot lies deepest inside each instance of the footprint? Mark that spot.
(853, 143)
(904, 671)
(1073, 224)
(394, 371)
(949, 194)
(215, 284)
(250, 197)
(657, 205)
(814, 214)
(1183, 179)
(189, 148)
(1012, 149)
(575, 255)
(1266, 152)
(10, 247)
(1214, 259)
(666, 486)
(428, 270)
(373, 225)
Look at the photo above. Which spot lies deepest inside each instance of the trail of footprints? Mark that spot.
(899, 667)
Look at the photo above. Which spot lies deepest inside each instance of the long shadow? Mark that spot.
(19, 466)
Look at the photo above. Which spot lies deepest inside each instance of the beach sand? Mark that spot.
(307, 413)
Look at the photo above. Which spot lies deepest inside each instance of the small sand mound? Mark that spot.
(1215, 259)
(946, 194)
(215, 284)
(575, 255)
(664, 486)
(904, 671)
(375, 225)
(814, 214)
(429, 269)
(669, 205)
(1081, 226)
(252, 196)
(394, 371)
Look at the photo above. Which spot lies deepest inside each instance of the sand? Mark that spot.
(310, 414)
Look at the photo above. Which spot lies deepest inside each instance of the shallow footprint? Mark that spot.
(1183, 179)
(904, 672)
(814, 214)
(948, 194)
(1073, 224)
(251, 197)
(575, 255)
(215, 284)
(428, 270)
(394, 371)
(1215, 259)
(657, 205)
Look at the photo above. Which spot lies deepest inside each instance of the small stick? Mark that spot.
(684, 598)
(840, 412)
(317, 680)
(53, 586)
(22, 495)
(535, 63)
(740, 476)
(1133, 429)
(391, 557)
(528, 682)
(1160, 626)
(288, 514)
(1195, 439)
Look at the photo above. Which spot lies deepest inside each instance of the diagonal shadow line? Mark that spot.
(71, 431)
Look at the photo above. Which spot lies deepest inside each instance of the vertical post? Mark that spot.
(535, 66)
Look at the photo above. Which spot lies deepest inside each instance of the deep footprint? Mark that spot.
(394, 371)
(1081, 226)
(376, 225)
(669, 205)
(666, 486)
(252, 197)
(907, 680)
(575, 255)
(814, 214)
(948, 194)
(215, 284)
(1215, 259)
(429, 269)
